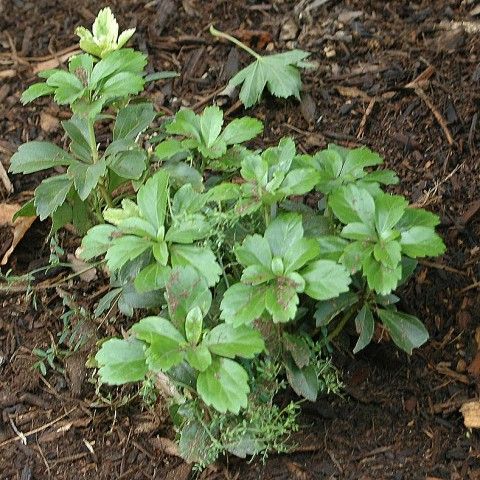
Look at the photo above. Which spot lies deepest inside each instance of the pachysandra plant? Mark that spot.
(241, 285)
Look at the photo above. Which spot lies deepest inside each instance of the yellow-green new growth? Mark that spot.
(103, 38)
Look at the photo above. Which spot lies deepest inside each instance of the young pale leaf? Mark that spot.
(121, 361)
(165, 342)
(241, 130)
(242, 304)
(304, 380)
(365, 326)
(35, 91)
(50, 194)
(201, 258)
(133, 120)
(224, 386)
(421, 242)
(152, 199)
(35, 156)
(407, 331)
(228, 341)
(124, 249)
(325, 279)
(279, 73)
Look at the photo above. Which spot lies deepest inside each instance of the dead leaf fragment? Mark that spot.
(82, 268)
(471, 414)
(165, 445)
(20, 226)
(48, 123)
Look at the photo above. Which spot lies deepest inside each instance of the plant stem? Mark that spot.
(341, 324)
(105, 194)
(238, 43)
(93, 142)
(266, 214)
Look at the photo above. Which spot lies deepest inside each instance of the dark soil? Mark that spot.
(399, 417)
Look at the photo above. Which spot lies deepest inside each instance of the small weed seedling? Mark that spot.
(279, 73)
(242, 287)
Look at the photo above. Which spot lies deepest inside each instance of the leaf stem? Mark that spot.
(105, 194)
(93, 142)
(238, 43)
(341, 324)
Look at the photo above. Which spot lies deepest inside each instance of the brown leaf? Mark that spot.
(20, 226)
(165, 445)
(48, 123)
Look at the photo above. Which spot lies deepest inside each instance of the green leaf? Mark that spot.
(35, 156)
(81, 64)
(407, 331)
(355, 254)
(97, 241)
(68, 87)
(35, 91)
(325, 279)
(169, 148)
(123, 84)
(304, 380)
(186, 123)
(160, 252)
(256, 275)
(129, 164)
(298, 348)
(211, 122)
(331, 247)
(121, 361)
(224, 386)
(242, 304)
(50, 194)
(201, 258)
(421, 242)
(165, 342)
(365, 326)
(139, 227)
(417, 217)
(118, 215)
(299, 181)
(152, 277)
(86, 177)
(60, 217)
(254, 250)
(228, 341)
(278, 72)
(327, 310)
(193, 325)
(381, 278)
(193, 442)
(281, 301)
(388, 253)
(77, 130)
(359, 231)
(188, 228)
(199, 357)
(181, 174)
(351, 204)
(27, 210)
(124, 249)
(187, 200)
(241, 130)
(389, 209)
(152, 199)
(186, 289)
(125, 60)
(133, 120)
(284, 232)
